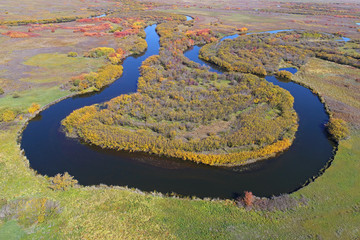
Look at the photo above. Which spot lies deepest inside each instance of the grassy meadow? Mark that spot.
(120, 213)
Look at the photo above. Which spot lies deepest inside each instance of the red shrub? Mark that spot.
(248, 199)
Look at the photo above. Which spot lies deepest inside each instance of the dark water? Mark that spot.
(50, 152)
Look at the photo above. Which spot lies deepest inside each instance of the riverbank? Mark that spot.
(333, 194)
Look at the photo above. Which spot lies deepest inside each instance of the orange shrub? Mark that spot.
(15, 34)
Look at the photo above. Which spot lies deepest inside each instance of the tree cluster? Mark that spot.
(182, 110)
(261, 54)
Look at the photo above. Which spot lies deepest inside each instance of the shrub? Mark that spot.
(243, 29)
(117, 29)
(248, 199)
(1, 91)
(72, 54)
(338, 129)
(62, 182)
(8, 116)
(284, 74)
(16, 95)
(34, 108)
(99, 52)
(139, 47)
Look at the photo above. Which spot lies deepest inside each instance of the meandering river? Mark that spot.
(50, 151)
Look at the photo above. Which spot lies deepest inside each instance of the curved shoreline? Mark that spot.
(231, 173)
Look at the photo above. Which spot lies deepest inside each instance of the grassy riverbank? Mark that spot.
(105, 213)
(110, 213)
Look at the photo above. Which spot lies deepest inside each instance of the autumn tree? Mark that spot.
(62, 181)
(284, 74)
(338, 128)
(248, 199)
(34, 108)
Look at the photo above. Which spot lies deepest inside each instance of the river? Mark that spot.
(50, 152)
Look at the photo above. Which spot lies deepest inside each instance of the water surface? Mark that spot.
(50, 152)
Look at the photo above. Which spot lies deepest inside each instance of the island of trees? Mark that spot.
(182, 110)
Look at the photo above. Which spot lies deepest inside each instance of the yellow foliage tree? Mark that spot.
(62, 182)
(338, 129)
(34, 108)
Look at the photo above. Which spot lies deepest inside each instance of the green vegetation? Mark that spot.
(72, 54)
(57, 61)
(331, 212)
(24, 99)
(59, 68)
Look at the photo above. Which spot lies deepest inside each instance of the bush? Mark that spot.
(248, 199)
(99, 52)
(139, 47)
(34, 108)
(16, 95)
(117, 29)
(72, 54)
(338, 129)
(62, 182)
(284, 74)
(8, 116)
(1, 91)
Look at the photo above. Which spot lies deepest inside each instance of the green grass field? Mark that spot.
(59, 65)
(24, 99)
